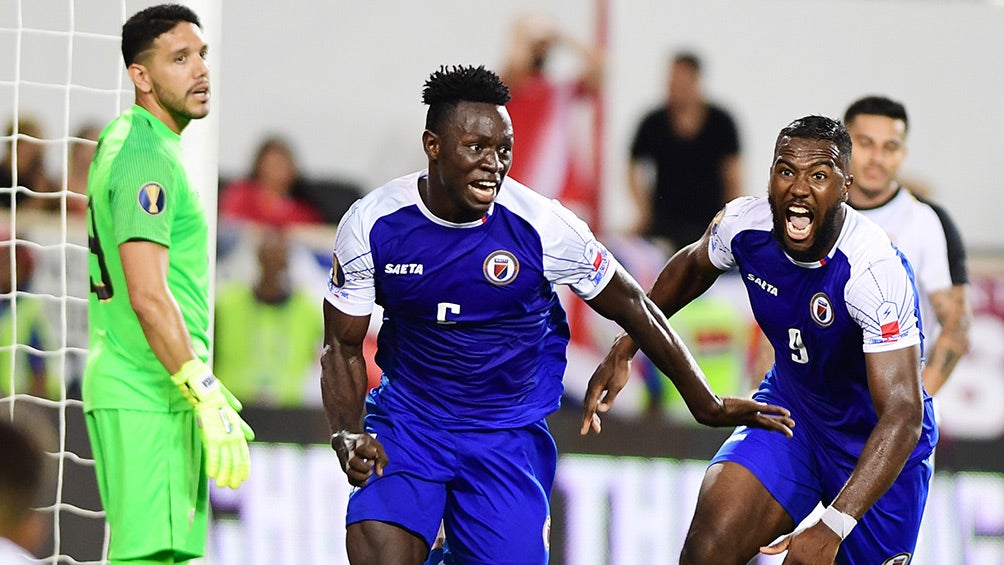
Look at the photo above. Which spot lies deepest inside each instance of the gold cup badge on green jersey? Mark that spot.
(151, 198)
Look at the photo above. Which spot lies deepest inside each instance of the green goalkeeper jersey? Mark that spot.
(138, 190)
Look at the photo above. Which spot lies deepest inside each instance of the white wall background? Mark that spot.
(342, 79)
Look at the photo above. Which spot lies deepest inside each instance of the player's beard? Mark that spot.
(177, 105)
(824, 236)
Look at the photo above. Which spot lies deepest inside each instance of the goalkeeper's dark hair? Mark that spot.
(140, 31)
(820, 128)
(877, 106)
(449, 86)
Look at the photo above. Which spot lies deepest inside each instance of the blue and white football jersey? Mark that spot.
(473, 334)
(822, 317)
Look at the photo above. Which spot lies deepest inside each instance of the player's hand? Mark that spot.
(607, 381)
(361, 456)
(813, 545)
(225, 435)
(747, 412)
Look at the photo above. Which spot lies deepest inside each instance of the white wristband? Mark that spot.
(348, 442)
(840, 523)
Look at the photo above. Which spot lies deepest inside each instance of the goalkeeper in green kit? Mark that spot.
(159, 422)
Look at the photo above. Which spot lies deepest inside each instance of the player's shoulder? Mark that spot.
(537, 210)
(746, 213)
(118, 135)
(932, 212)
(392, 196)
(131, 154)
(520, 198)
(862, 240)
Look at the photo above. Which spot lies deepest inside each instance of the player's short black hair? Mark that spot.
(877, 106)
(449, 86)
(139, 32)
(823, 129)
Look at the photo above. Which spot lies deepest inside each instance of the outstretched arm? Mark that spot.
(343, 392)
(686, 276)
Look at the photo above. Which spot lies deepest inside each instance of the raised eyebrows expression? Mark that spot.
(820, 169)
(786, 163)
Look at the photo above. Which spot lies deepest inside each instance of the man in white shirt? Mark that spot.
(923, 231)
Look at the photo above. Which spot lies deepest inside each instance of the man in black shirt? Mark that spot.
(694, 148)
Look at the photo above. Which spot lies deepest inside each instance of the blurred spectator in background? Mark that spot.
(685, 163)
(25, 330)
(553, 112)
(273, 193)
(30, 167)
(542, 111)
(923, 231)
(82, 148)
(25, 481)
(718, 336)
(268, 335)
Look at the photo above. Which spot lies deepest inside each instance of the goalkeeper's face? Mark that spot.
(179, 72)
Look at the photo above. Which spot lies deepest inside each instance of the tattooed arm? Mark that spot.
(952, 308)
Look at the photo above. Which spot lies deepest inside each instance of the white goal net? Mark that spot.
(61, 81)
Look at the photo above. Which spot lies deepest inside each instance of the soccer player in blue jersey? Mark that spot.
(463, 261)
(839, 305)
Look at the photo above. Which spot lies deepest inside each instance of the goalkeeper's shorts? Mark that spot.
(152, 481)
(492, 487)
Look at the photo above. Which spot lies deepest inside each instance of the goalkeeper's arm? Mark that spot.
(225, 434)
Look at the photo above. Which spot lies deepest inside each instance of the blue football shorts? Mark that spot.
(491, 487)
(800, 472)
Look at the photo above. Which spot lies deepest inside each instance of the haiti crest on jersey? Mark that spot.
(501, 267)
(821, 309)
(151, 198)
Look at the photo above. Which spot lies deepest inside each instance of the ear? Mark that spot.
(430, 142)
(140, 77)
(846, 191)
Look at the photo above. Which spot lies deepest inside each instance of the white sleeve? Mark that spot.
(882, 299)
(350, 283)
(572, 254)
(932, 269)
(723, 228)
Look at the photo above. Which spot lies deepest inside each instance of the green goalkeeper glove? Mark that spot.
(225, 435)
